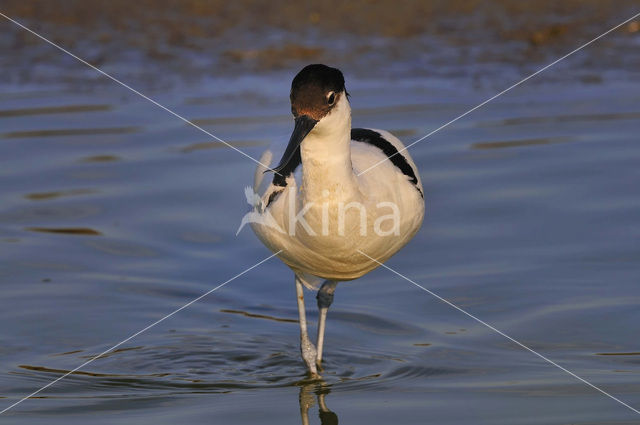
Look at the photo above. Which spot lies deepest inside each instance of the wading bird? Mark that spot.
(321, 209)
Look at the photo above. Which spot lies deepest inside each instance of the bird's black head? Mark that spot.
(316, 90)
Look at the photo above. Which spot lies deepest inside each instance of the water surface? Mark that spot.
(114, 213)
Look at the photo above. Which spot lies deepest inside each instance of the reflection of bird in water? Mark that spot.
(327, 417)
(322, 222)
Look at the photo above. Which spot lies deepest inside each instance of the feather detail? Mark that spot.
(265, 163)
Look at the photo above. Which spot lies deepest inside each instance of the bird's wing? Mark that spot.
(382, 143)
(265, 163)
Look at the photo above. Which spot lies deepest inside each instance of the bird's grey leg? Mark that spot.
(306, 346)
(325, 298)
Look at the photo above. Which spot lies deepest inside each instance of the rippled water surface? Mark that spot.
(114, 213)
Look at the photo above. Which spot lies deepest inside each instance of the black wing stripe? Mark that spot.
(273, 197)
(374, 138)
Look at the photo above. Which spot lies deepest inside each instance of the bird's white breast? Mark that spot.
(327, 241)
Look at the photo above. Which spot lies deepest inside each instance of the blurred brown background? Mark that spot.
(193, 38)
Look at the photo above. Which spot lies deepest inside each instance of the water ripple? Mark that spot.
(64, 109)
(86, 231)
(69, 132)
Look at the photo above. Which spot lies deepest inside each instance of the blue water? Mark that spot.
(113, 213)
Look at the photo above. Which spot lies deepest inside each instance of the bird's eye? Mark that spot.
(331, 97)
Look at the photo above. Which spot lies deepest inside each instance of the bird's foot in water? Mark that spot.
(309, 355)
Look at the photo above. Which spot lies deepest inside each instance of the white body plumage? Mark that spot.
(329, 199)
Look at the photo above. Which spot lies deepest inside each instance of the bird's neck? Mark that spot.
(327, 172)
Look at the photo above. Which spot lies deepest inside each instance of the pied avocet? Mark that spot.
(319, 211)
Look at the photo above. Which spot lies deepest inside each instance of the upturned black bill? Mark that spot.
(303, 126)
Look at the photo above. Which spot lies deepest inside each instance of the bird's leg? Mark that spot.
(306, 401)
(325, 298)
(327, 417)
(306, 346)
